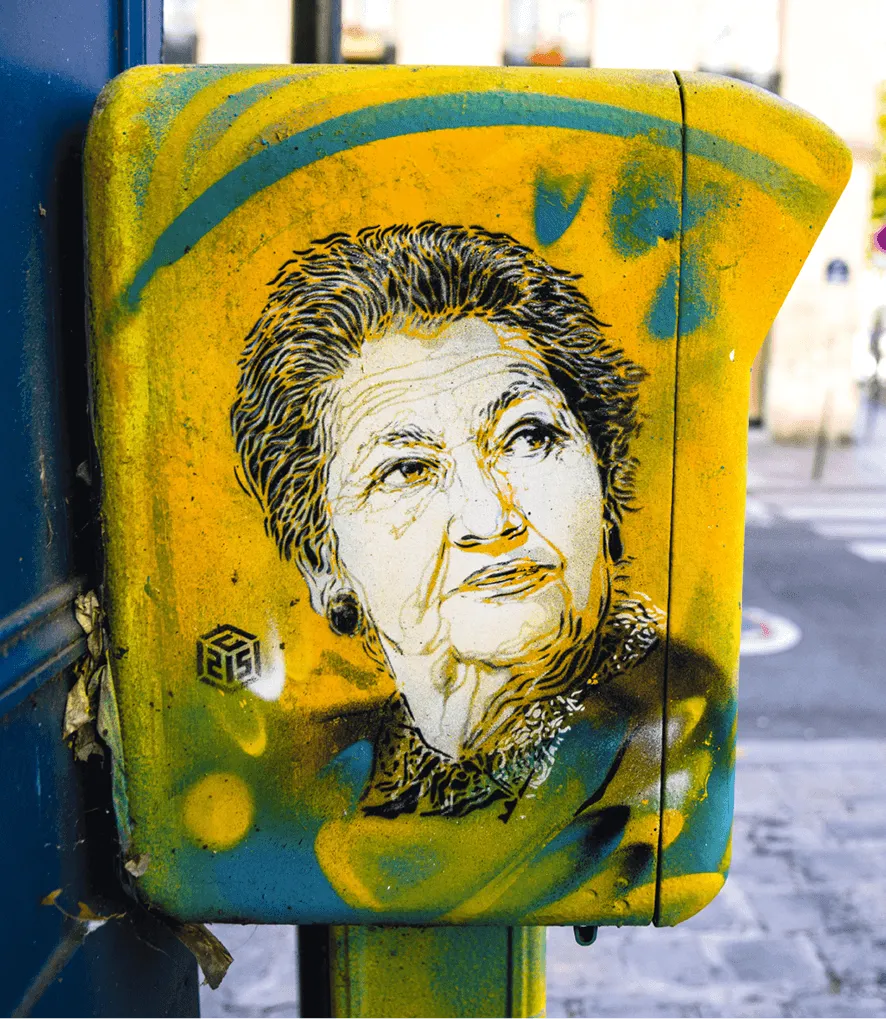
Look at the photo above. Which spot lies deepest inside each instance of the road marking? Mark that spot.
(873, 552)
(811, 513)
(852, 530)
(757, 513)
(768, 633)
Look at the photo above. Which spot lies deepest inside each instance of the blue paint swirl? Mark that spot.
(698, 290)
(554, 211)
(662, 318)
(645, 208)
(423, 114)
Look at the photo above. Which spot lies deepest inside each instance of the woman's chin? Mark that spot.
(505, 633)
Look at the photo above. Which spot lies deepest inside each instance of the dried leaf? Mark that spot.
(95, 642)
(93, 684)
(78, 710)
(86, 743)
(87, 611)
(138, 865)
(209, 952)
(85, 914)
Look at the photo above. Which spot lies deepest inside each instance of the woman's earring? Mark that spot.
(344, 614)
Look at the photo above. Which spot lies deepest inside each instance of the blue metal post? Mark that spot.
(55, 814)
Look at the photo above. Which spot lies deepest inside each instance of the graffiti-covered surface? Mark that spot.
(390, 364)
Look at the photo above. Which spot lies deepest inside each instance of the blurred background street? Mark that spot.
(800, 928)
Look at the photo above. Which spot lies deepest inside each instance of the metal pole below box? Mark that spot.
(382, 971)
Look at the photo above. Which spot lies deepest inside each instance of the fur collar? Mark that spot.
(503, 762)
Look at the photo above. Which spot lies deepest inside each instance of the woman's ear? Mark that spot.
(334, 599)
(332, 594)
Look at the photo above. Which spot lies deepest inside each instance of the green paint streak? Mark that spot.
(797, 194)
(173, 93)
(163, 104)
(701, 204)
(445, 112)
(698, 287)
(376, 123)
(223, 117)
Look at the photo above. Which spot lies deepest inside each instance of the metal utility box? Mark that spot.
(421, 398)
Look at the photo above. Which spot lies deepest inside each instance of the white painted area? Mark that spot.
(851, 530)
(244, 31)
(813, 513)
(458, 32)
(873, 552)
(269, 685)
(765, 633)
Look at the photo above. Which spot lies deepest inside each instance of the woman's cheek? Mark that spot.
(561, 499)
(550, 491)
(391, 552)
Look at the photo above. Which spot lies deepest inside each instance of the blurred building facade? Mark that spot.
(827, 58)
(832, 64)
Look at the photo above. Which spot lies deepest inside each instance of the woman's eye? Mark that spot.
(536, 437)
(405, 473)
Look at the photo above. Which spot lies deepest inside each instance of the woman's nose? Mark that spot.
(481, 512)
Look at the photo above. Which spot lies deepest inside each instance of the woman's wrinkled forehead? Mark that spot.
(463, 363)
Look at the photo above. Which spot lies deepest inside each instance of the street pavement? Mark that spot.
(800, 927)
(815, 557)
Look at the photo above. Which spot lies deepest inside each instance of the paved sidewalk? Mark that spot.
(856, 466)
(261, 981)
(799, 929)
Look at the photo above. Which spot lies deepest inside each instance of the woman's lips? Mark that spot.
(504, 580)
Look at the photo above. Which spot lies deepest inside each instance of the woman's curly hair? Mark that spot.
(345, 289)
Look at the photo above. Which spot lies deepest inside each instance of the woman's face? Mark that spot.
(464, 495)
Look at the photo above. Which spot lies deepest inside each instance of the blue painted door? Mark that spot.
(57, 829)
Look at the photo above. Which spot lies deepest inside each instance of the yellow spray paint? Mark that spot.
(217, 810)
(684, 207)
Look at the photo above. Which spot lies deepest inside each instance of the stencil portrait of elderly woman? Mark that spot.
(438, 432)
